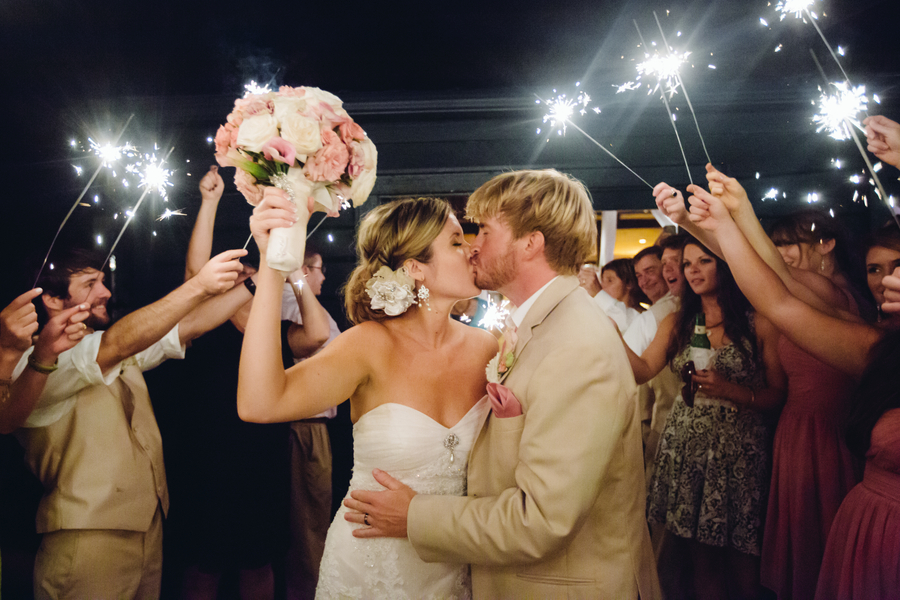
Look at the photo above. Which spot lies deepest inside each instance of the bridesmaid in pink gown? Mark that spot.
(812, 471)
(812, 468)
(862, 558)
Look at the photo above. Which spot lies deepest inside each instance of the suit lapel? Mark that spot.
(561, 287)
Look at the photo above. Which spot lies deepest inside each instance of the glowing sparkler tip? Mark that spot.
(841, 109)
(772, 194)
(495, 315)
(254, 88)
(795, 7)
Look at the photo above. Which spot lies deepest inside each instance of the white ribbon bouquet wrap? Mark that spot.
(300, 140)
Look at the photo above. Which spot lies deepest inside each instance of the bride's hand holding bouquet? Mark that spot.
(301, 141)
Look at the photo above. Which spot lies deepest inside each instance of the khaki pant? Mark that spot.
(310, 513)
(100, 564)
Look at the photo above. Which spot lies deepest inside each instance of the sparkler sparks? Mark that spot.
(665, 70)
(772, 194)
(178, 212)
(840, 110)
(254, 88)
(154, 176)
(562, 108)
(795, 7)
(495, 315)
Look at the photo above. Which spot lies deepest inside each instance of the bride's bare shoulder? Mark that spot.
(484, 341)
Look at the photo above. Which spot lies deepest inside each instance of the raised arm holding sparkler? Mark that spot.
(812, 288)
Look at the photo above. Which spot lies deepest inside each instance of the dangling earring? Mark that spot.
(423, 295)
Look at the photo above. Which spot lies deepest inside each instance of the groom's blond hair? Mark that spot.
(553, 203)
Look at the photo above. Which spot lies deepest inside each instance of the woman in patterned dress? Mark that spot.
(714, 459)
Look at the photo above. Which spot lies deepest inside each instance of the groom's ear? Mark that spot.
(534, 245)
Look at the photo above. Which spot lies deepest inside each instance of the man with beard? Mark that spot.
(92, 438)
(555, 504)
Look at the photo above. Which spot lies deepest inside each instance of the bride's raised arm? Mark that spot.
(266, 392)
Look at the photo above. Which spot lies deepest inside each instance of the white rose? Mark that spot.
(362, 187)
(287, 105)
(314, 94)
(302, 132)
(256, 131)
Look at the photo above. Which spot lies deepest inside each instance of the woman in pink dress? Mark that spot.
(812, 468)
(862, 558)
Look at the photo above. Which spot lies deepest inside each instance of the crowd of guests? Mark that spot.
(773, 469)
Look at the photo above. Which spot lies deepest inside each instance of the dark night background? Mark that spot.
(445, 91)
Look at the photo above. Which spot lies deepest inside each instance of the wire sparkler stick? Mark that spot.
(319, 224)
(130, 218)
(853, 133)
(563, 117)
(684, 90)
(77, 202)
(668, 111)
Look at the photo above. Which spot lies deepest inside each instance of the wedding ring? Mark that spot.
(83, 326)
(674, 193)
(366, 519)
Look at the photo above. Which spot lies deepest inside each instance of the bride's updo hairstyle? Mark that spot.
(390, 235)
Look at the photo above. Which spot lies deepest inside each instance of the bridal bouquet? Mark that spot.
(300, 140)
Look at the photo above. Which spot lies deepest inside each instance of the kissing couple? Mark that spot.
(539, 486)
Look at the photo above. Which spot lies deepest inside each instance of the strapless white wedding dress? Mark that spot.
(431, 459)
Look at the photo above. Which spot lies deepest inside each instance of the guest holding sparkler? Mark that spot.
(882, 258)
(862, 555)
(92, 438)
(883, 136)
(228, 478)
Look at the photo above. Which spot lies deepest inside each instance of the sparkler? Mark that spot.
(853, 104)
(683, 89)
(668, 111)
(254, 88)
(77, 202)
(561, 111)
(495, 315)
(801, 9)
(178, 212)
(839, 111)
(148, 183)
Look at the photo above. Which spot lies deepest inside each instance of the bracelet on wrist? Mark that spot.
(41, 368)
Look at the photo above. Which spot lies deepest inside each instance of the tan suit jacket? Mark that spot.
(556, 501)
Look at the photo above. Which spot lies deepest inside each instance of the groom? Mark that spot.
(555, 504)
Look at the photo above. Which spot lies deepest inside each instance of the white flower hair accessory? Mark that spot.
(391, 291)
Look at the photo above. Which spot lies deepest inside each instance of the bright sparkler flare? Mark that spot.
(154, 176)
(495, 315)
(841, 109)
(772, 194)
(254, 88)
(665, 69)
(562, 108)
(179, 212)
(795, 7)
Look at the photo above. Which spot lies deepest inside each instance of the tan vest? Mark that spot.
(101, 464)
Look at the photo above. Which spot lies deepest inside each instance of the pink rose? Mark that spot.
(280, 150)
(223, 139)
(235, 118)
(254, 105)
(351, 131)
(504, 403)
(246, 185)
(322, 111)
(330, 162)
(291, 92)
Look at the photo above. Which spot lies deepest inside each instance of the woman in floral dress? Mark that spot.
(714, 459)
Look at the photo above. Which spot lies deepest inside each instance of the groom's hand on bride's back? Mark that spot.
(381, 514)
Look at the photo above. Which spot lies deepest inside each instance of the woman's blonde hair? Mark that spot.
(390, 235)
(553, 203)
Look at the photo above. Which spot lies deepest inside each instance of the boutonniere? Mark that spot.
(504, 360)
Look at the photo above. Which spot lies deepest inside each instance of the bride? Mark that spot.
(414, 376)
